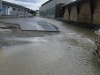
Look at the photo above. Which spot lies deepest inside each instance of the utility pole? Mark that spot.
(24, 13)
(0, 8)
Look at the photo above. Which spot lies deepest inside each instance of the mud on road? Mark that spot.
(13, 30)
(68, 52)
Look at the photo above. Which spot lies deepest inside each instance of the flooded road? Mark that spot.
(68, 52)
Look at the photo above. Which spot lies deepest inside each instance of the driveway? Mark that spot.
(35, 23)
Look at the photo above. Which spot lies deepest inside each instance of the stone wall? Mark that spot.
(96, 12)
(85, 13)
(73, 14)
(66, 15)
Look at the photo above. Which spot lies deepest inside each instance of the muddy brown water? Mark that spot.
(66, 53)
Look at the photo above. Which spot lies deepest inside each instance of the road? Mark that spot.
(68, 52)
(31, 24)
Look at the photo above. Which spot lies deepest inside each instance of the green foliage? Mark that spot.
(32, 12)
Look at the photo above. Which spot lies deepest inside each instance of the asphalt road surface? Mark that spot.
(35, 23)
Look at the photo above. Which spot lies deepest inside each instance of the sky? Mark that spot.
(32, 4)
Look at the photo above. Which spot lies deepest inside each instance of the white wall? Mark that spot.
(9, 9)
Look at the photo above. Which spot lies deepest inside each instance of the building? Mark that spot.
(52, 8)
(83, 12)
(37, 13)
(14, 9)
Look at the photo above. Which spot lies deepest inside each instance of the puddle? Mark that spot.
(69, 52)
(44, 56)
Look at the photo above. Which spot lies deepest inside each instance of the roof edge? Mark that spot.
(46, 2)
(15, 4)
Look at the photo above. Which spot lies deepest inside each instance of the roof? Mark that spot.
(14, 4)
(46, 2)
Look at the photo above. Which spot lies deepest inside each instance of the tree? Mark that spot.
(32, 12)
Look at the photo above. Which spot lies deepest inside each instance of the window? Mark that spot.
(19, 10)
(14, 9)
(25, 10)
(22, 10)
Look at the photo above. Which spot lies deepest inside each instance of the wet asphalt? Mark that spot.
(35, 23)
(68, 52)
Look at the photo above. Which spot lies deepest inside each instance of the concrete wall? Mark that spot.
(49, 9)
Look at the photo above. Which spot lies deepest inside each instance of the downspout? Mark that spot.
(92, 13)
(69, 10)
(78, 12)
(63, 11)
(24, 13)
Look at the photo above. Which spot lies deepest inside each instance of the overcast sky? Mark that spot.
(32, 4)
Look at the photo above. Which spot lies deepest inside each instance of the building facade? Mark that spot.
(13, 9)
(52, 8)
(37, 13)
(83, 12)
(48, 9)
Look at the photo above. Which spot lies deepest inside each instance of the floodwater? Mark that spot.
(35, 23)
(66, 53)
